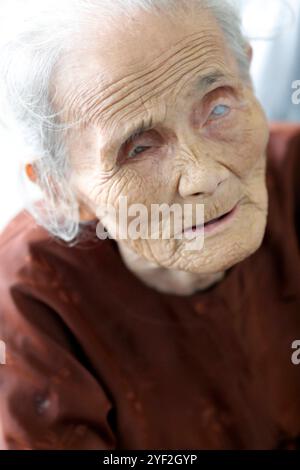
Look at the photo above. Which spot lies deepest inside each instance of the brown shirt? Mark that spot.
(98, 360)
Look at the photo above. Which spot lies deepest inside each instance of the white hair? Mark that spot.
(39, 34)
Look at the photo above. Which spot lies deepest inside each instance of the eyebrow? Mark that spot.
(201, 84)
(210, 79)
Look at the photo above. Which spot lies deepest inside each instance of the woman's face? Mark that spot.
(204, 140)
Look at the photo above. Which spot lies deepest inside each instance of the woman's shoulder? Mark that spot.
(18, 228)
(28, 250)
(282, 236)
(283, 179)
(16, 240)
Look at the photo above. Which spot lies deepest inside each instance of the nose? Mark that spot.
(202, 180)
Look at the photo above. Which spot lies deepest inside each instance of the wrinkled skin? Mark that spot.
(148, 68)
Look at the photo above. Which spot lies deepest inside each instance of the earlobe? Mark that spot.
(30, 172)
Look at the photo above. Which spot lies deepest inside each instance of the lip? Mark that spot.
(215, 224)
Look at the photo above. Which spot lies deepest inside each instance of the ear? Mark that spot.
(30, 172)
(86, 215)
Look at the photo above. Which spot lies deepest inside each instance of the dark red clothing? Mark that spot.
(98, 360)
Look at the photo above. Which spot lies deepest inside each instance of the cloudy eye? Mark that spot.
(219, 111)
(137, 151)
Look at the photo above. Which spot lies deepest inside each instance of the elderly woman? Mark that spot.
(140, 342)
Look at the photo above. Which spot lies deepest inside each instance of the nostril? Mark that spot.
(203, 193)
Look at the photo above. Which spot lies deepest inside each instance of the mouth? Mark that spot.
(213, 224)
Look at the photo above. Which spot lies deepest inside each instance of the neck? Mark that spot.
(166, 280)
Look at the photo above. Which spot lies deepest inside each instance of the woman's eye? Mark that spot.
(219, 111)
(137, 150)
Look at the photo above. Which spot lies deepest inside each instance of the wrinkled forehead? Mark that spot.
(142, 61)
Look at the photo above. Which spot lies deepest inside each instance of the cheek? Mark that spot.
(130, 184)
(146, 182)
(245, 147)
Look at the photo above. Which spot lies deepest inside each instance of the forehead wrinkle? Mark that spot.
(91, 101)
(159, 66)
(160, 58)
(92, 94)
(159, 84)
(204, 82)
(74, 99)
(155, 83)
